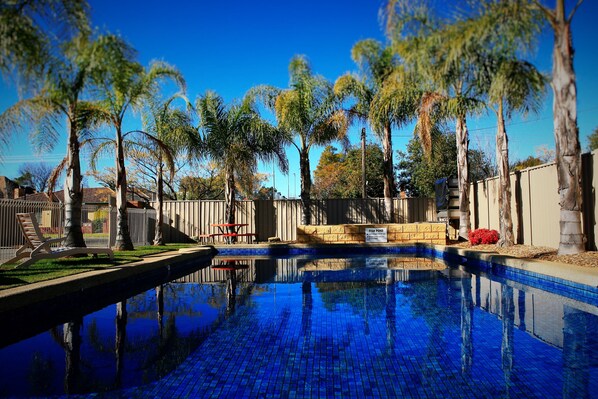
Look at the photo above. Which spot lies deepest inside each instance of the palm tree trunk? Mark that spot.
(229, 198)
(463, 176)
(158, 238)
(389, 186)
(305, 186)
(504, 192)
(73, 194)
(123, 237)
(566, 136)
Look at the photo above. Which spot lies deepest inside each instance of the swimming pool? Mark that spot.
(362, 325)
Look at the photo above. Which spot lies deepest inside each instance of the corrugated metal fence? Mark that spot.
(535, 204)
(279, 218)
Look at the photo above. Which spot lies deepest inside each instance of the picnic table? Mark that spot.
(230, 265)
(230, 231)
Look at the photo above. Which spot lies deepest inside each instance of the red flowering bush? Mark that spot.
(483, 236)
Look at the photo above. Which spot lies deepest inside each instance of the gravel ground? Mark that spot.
(585, 259)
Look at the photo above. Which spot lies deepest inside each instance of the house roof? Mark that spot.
(91, 195)
(41, 197)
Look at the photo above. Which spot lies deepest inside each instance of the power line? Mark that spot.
(508, 124)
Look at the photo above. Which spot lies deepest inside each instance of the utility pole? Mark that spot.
(273, 181)
(363, 182)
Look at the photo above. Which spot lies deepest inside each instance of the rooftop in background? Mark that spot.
(91, 195)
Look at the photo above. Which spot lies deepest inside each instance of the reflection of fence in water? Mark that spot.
(298, 270)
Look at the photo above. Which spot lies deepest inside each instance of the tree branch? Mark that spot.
(574, 11)
(547, 13)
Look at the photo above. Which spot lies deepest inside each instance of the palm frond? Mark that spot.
(520, 85)
(53, 179)
(159, 70)
(99, 147)
(265, 94)
(38, 116)
(426, 119)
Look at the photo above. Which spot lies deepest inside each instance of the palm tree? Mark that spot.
(508, 83)
(235, 137)
(60, 95)
(566, 132)
(123, 85)
(515, 86)
(311, 112)
(381, 94)
(30, 30)
(174, 127)
(436, 50)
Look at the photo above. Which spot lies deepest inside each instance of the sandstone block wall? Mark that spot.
(432, 233)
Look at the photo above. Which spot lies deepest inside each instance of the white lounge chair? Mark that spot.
(37, 246)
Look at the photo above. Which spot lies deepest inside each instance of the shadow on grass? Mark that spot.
(10, 282)
(47, 270)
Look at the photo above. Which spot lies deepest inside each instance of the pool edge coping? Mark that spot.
(563, 271)
(12, 298)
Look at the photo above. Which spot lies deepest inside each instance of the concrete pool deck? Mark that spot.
(23, 296)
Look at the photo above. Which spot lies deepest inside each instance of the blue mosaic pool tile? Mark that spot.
(327, 355)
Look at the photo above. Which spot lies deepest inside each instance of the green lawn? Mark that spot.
(49, 269)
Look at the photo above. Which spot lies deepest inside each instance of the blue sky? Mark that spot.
(232, 46)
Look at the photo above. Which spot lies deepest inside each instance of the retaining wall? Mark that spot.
(431, 233)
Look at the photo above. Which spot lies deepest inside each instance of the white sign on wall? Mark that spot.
(376, 263)
(376, 234)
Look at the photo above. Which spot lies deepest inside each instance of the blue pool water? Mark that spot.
(362, 326)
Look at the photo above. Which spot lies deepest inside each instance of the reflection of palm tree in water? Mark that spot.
(160, 303)
(521, 306)
(70, 341)
(508, 321)
(72, 348)
(466, 324)
(306, 309)
(231, 291)
(579, 351)
(119, 341)
(391, 306)
(430, 300)
(366, 316)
